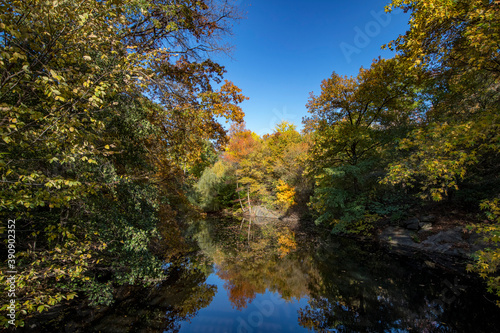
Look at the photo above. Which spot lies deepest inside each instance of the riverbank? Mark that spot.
(438, 237)
(239, 264)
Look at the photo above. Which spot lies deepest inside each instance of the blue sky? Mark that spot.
(284, 49)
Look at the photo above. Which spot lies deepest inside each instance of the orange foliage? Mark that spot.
(242, 142)
(241, 290)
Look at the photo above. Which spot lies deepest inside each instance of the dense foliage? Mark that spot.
(257, 171)
(421, 127)
(104, 105)
(356, 122)
(455, 152)
(110, 130)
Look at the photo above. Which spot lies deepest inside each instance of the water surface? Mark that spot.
(264, 276)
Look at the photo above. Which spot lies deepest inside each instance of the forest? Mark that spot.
(118, 127)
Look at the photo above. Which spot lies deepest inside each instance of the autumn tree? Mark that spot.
(217, 187)
(265, 170)
(284, 147)
(285, 153)
(87, 158)
(455, 151)
(273, 168)
(356, 121)
(241, 143)
(457, 44)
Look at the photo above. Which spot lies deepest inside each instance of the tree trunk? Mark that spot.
(237, 188)
(249, 204)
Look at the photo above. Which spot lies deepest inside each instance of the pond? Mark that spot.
(270, 276)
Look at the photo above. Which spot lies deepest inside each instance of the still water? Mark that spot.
(264, 276)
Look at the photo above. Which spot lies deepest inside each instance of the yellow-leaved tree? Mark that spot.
(455, 150)
(103, 106)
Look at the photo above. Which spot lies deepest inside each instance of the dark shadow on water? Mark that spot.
(271, 276)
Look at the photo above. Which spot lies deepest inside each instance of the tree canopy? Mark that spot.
(104, 104)
(111, 136)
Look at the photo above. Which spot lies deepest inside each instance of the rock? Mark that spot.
(425, 226)
(260, 211)
(398, 237)
(430, 264)
(410, 221)
(428, 218)
(412, 224)
(453, 235)
(446, 242)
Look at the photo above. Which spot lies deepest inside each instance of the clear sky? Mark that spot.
(285, 48)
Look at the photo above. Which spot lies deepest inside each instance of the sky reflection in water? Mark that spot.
(237, 276)
(272, 279)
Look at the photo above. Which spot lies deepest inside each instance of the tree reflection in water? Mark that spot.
(324, 283)
(349, 288)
